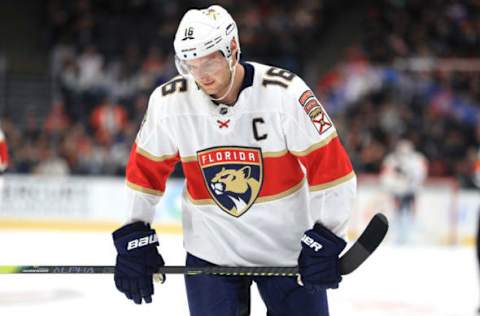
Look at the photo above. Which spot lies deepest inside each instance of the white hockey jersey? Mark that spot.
(258, 173)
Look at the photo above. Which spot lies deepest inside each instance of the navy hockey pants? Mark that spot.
(210, 295)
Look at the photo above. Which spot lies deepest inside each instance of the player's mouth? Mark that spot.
(208, 83)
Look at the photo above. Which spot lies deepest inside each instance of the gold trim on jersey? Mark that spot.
(333, 183)
(148, 155)
(264, 199)
(198, 202)
(189, 159)
(234, 163)
(274, 154)
(139, 188)
(315, 146)
(283, 194)
(270, 154)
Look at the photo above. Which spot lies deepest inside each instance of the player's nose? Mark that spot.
(203, 76)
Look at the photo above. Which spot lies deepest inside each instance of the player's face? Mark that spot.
(211, 72)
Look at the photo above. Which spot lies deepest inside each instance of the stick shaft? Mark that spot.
(366, 244)
(218, 270)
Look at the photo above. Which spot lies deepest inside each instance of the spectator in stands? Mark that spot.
(57, 121)
(108, 119)
(376, 101)
(50, 163)
(91, 66)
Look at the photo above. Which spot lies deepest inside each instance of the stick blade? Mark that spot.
(366, 244)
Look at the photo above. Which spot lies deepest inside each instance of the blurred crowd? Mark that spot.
(107, 57)
(415, 75)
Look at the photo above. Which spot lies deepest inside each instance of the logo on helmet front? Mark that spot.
(211, 13)
(233, 176)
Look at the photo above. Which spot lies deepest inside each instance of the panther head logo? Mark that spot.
(233, 177)
(237, 185)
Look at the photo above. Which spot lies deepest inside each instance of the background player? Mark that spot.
(403, 173)
(242, 132)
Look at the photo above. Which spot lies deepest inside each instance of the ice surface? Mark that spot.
(403, 281)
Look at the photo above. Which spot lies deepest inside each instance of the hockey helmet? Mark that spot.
(202, 32)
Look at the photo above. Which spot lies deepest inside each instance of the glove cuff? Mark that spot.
(130, 228)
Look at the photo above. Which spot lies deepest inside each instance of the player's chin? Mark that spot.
(210, 89)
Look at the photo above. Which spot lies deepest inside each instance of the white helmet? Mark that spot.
(202, 32)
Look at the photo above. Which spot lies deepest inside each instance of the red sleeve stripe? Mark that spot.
(150, 175)
(275, 180)
(326, 164)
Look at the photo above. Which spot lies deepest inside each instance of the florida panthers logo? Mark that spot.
(233, 176)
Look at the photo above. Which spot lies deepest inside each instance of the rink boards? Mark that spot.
(445, 214)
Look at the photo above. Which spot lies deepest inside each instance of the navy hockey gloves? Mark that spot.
(318, 260)
(137, 260)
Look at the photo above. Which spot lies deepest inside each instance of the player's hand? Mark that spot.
(137, 260)
(318, 260)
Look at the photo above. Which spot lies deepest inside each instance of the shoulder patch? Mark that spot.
(315, 111)
(307, 94)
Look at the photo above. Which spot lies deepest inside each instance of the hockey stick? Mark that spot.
(365, 245)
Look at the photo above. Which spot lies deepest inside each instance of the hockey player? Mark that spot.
(263, 164)
(403, 174)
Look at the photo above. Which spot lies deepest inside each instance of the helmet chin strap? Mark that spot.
(230, 85)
